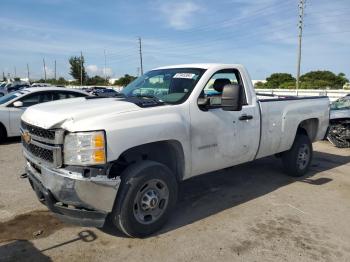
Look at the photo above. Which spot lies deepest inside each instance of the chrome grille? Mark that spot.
(42, 145)
(42, 153)
(39, 132)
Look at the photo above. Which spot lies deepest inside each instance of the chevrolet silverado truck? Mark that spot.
(120, 160)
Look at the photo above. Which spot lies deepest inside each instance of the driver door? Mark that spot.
(221, 138)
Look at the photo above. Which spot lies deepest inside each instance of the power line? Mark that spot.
(44, 69)
(140, 50)
(104, 70)
(300, 26)
(28, 72)
(81, 68)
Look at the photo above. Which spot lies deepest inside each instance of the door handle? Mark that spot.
(245, 117)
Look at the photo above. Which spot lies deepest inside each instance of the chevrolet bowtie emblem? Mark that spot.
(26, 137)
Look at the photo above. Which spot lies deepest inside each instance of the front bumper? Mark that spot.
(72, 197)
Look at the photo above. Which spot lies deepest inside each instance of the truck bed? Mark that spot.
(281, 116)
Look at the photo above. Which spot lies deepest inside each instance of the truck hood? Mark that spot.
(55, 114)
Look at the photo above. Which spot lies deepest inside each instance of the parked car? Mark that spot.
(94, 89)
(41, 85)
(339, 126)
(14, 104)
(11, 87)
(107, 92)
(123, 158)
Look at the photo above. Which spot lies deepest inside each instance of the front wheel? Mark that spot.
(146, 197)
(3, 134)
(297, 160)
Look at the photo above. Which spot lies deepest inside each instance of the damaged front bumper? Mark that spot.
(72, 197)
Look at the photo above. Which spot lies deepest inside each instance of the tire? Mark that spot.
(3, 133)
(297, 160)
(146, 197)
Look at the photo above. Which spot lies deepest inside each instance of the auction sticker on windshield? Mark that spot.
(184, 75)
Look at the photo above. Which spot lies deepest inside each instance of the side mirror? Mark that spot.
(204, 103)
(231, 99)
(18, 104)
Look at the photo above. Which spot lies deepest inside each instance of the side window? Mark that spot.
(212, 91)
(46, 97)
(30, 100)
(74, 95)
(65, 95)
(60, 95)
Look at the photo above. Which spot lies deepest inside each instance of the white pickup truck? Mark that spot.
(122, 158)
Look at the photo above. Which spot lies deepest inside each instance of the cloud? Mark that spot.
(49, 71)
(95, 70)
(179, 15)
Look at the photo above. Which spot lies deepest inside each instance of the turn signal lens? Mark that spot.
(99, 140)
(99, 156)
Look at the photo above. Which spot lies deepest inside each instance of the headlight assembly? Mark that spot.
(85, 148)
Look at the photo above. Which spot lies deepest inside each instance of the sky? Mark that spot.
(260, 34)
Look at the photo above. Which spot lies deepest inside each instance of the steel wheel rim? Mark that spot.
(303, 156)
(151, 201)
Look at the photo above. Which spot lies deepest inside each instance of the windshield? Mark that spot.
(341, 104)
(6, 98)
(172, 86)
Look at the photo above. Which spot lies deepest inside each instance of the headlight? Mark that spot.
(85, 148)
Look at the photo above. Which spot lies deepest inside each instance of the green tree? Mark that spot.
(125, 80)
(277, 79)
(259, 85)
(96, 80)
(53, 81)
(77, 68)
(323, 79)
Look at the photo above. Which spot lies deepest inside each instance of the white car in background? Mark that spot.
(13, 105)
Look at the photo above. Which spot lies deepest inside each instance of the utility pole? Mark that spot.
(300, 26)
(44, 69)
(81, 68)
(3, 75)
(15, 72)
(140, 49)
(28, 72)
(104, 70)
(55, 70)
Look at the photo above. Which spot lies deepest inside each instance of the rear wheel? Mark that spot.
(146, 197)
(297, 160)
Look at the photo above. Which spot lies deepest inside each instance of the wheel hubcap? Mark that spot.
(303, 156)
(151, 201)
